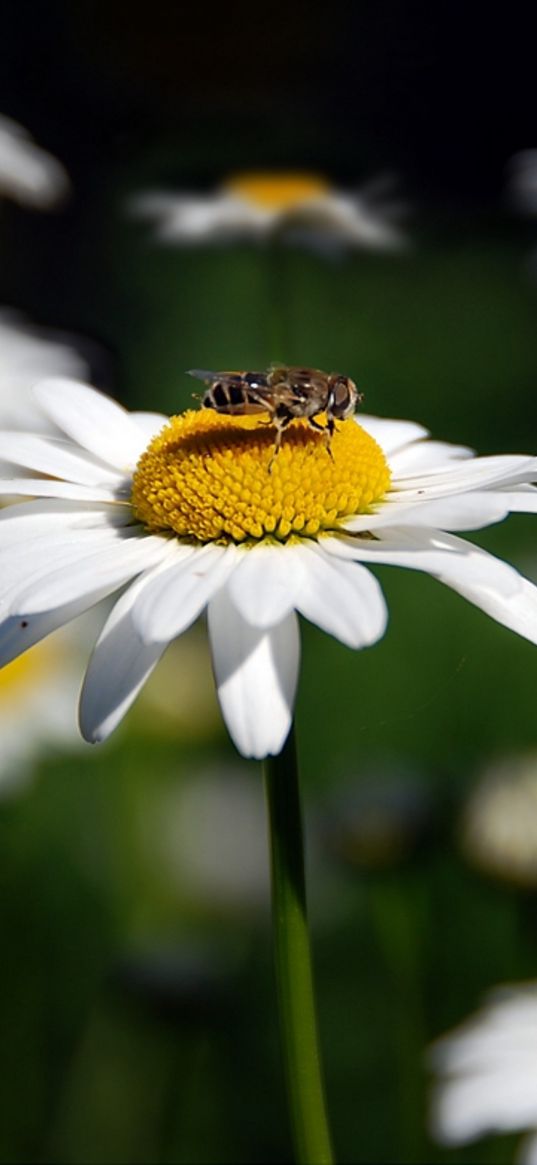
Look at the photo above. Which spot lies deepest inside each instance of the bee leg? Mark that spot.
(280, 423)
(330, 433)
(327, 431)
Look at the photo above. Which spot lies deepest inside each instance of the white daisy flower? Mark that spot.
(487, 1073)
(259, 206)
(196, 513)
(28, 174)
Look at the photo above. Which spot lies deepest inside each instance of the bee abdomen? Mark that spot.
(229, 398)
(222, 396)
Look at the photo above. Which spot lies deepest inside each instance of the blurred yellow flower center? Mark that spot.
(26, 671)
(209, 477)
(277, 191)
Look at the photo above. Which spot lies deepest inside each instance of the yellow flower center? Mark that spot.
(212, 477)
(277, 191)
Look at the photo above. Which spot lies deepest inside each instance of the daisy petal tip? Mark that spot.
(258, 737)
(93, 729)
(89, 732)
(94, 733)
(258, 746)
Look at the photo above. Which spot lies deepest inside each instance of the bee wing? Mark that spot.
(277, 371)
(204, 374)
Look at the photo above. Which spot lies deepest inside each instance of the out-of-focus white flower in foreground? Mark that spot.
(37, 717)
(499, 822)
(197, 512)
(486, 1073)
(28, 174)
(299, 207)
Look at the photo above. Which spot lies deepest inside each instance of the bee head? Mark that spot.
(343, 397)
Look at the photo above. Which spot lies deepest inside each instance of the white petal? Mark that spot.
(497, 1098)
(95, 421)
(465, 511)
(360, 221)
(391, 435)
(55, 518)
(342, 598)
(475, 474)
(433, 551)
(55, 458)
(266, 582)
(28, 173)
(189, 220)
(18, 634)
(28, 562)
(521, 501)
(256, 673)
(426, 455)
(119, 666)
(108, 565)
(47, 488)
(149, 423)
(175, 598)
(485, 581)
(468, 1108)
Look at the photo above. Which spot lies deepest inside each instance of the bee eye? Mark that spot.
(342, 399)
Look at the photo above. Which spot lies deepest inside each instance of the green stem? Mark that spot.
(293, 961)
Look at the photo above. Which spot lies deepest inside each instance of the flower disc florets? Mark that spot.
(211, 477)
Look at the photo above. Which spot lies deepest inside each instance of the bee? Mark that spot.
(286, 393)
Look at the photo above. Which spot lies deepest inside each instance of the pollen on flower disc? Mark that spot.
(211, 477)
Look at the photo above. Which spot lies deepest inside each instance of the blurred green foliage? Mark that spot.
(137, 1024)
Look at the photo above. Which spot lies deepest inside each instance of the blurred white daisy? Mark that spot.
(300, 207)
(208, 833)
(486, 1073)
(498, 829)
(196, 512)
(28, 174)
(521, 192)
